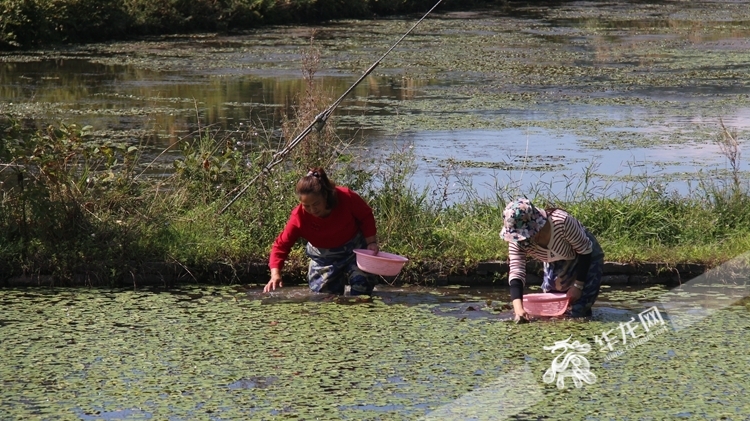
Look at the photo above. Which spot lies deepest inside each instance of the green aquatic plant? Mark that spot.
(231, 352)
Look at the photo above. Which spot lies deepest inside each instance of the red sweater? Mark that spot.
(350, 215)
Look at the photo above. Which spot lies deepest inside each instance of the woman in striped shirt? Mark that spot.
(573, 259)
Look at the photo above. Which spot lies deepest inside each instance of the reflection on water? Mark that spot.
(525, 95)
(117, 97)
(540, 157)
(473, 303)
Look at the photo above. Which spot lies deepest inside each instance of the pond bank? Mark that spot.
(486, 273)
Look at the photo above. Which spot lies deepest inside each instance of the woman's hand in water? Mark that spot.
(275, 281)
(521, 316)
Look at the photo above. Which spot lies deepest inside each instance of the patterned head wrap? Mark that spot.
(522, 220)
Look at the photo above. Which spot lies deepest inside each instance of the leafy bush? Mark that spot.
(55, 210)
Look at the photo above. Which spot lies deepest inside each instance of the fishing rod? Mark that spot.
(320, 119)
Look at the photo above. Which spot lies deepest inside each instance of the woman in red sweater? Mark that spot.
(334, 221)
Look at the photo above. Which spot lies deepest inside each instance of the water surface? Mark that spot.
(527, 95)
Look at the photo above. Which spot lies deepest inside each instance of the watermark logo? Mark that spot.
(630, 335)
(570, 362)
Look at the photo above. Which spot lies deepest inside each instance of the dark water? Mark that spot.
(551, 97)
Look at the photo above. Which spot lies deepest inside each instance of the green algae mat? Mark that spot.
(232, 353)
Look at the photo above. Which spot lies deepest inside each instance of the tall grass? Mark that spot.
(84, 212)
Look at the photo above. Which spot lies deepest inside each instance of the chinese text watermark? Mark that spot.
(571, 362)
(628, 334)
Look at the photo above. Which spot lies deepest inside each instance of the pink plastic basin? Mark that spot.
(385, 264)
(549, 304)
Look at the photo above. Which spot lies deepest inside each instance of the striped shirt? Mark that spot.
(567, 239)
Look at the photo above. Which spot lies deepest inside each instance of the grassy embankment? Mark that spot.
(83, 211)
